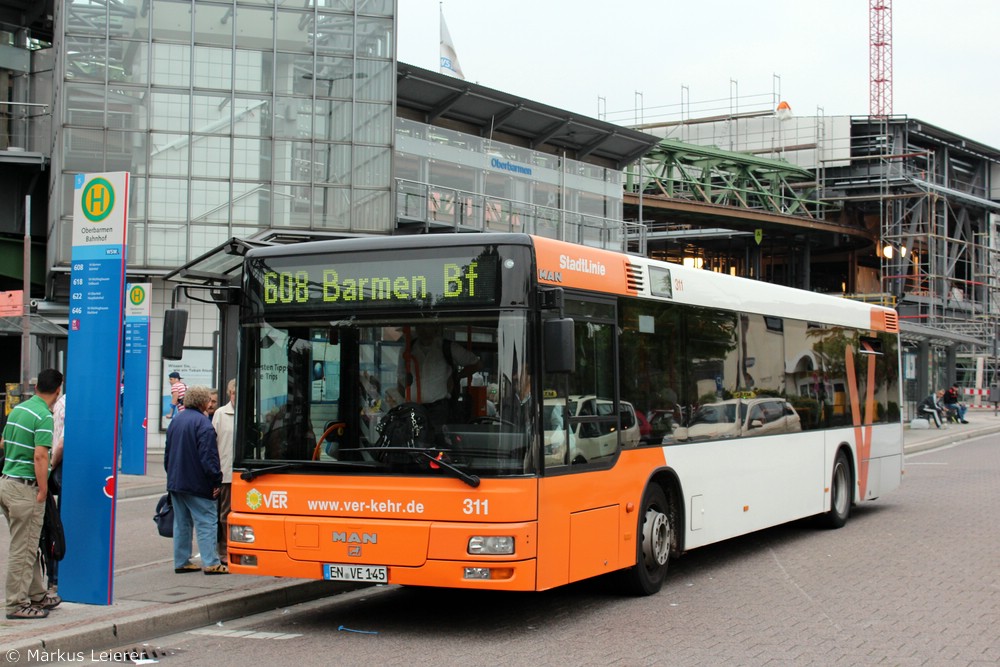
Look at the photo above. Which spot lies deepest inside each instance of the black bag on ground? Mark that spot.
(164, 516)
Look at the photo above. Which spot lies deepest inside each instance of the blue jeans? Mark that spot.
(200, 515)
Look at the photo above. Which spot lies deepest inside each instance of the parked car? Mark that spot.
(588, 440)
(738, 418)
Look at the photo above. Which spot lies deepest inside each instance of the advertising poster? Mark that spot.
(196, 367)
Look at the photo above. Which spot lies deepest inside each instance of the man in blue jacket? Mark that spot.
(194, 479)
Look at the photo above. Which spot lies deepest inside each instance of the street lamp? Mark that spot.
(329, 121)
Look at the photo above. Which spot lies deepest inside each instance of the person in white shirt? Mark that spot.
(426, 375)
(224, 421)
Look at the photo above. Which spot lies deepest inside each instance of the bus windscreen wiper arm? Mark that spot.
(471, 480)
(249, 475)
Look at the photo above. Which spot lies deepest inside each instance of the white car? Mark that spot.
(588, 440)
(738, 417)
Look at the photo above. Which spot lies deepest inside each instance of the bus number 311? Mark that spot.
(477, 507)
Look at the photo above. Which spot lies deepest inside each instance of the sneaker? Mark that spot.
(216, 569)
(964, 421)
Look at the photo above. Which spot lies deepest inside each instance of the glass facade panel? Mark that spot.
(292, 118)
(335, 34)
(88, 59)
(252, 117)
(86, 18)
(170, 111)
(213, 24)
(254, 70)
(251, 205)
(375, 80)
(251, 158)
(125, 151)
(168, 199)
(209, 204)
(210, 156)
(171, 65)
(373, 211)
(85, 105)
(213, 67)
(373, 123)
(128, 62)
(293, 162)
(130, 18)
(255, 28)
(166, 244)
(294, 31)
(375, 7)
(371, 165)
(331, 208)
(333, 120)
(169, 154)
(171, 21)
(291, 206)
(373, 38)
(211, 114)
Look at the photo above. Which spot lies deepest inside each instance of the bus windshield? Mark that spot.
(388, 395)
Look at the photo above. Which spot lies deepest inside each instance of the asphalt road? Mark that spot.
(913, 579)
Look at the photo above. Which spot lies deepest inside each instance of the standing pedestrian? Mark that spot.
(194, 480)
(177, 392)
(23, 490)
(224, 422)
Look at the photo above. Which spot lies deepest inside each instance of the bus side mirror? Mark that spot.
(559, 346)
(174, 329)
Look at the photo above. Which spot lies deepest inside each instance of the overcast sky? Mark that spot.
(568, 53)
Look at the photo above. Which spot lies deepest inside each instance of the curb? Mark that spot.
(143, 624)
(952, 437)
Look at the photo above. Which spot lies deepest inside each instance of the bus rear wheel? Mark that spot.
(840, 493)
(654, 537)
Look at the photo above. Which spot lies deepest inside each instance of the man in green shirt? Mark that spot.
(23, 488)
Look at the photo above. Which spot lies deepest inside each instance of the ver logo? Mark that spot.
(98, 200)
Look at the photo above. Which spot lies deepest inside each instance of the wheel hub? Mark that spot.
(655, 538)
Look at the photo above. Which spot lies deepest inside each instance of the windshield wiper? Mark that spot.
(250, 475)
(471, 480)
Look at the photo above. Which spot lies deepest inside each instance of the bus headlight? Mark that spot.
(494, 545)
(239, 533)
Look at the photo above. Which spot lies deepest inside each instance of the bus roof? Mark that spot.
(570, 265)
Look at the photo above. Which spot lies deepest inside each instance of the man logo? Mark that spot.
(98, 200)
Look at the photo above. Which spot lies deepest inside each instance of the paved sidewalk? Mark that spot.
(149, 603)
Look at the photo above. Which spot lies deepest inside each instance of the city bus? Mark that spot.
(342, 473)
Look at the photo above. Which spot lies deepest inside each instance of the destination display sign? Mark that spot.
(363, 280)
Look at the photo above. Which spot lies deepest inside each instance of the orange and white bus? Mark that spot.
(341, 473)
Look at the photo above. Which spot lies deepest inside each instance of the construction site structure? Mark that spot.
(888, 209)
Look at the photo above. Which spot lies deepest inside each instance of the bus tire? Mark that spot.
(841, 496)
(654, 538)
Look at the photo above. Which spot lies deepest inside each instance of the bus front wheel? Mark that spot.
(654, 536)
(841, 495)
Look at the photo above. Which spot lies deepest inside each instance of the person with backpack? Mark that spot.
(431, 369)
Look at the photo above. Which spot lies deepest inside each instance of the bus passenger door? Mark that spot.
(579, 503)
